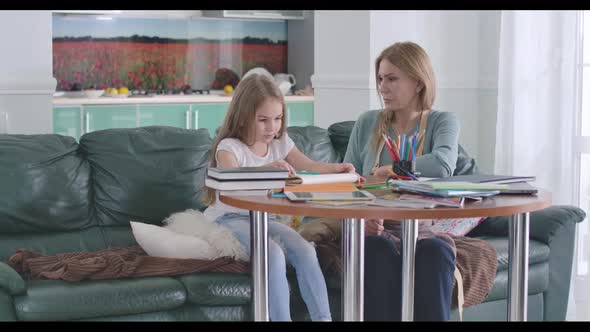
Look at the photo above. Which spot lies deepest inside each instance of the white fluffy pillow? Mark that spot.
(161, 242)
(188, 234)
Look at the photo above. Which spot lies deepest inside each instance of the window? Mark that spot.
(582, 152)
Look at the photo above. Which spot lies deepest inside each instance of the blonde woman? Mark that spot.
(254, 134)
(406, 84)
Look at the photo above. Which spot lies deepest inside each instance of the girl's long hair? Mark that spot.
(251, 92)
(413, 60)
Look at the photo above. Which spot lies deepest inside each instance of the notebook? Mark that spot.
(322, 178)
(520, 188)
(323, 187)
(243, 173)
(486, 178)
(244, 185)
(448, 185)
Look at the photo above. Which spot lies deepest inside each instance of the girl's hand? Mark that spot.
(347, 168)
(374, 227)
(344, 168)
(381, 171)
(282, 165)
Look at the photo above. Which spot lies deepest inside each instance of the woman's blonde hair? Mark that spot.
(239, 122)
(413, 60)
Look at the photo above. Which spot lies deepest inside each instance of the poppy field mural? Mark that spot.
(85, 56)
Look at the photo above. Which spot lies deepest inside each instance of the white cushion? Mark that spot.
(188, 234)
(161, 242)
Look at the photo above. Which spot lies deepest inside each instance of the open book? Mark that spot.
(322, 178)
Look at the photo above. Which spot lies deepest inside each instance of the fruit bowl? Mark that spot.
(93, 93)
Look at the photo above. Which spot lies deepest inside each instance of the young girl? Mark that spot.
(254, 134)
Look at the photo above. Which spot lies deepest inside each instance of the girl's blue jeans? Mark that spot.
(286, 245)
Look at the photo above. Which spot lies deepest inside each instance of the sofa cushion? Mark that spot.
(187, 313)
(340, 135)
(146, 173)
(538, 251)
(44, 184)
(90, 239)
(59, 300)
(217, 288)
(314, 142)
(465, 165)
(538, 282)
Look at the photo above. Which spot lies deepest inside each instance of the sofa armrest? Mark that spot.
(556, 227)
(10, 280)
(543, 225)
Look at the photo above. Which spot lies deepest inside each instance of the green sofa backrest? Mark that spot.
(44, 189)
(59, 196)
(314, 142)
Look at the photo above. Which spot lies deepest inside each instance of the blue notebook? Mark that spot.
(486, 178)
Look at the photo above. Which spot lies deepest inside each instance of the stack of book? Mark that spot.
(516, 184)
(417, 201)
(246, 178)
(449, 188)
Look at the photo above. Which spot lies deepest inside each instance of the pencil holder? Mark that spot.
(404, 166)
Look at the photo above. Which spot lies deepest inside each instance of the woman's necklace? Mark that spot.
(400, 132)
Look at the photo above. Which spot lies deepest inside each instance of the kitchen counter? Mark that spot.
(160, 99)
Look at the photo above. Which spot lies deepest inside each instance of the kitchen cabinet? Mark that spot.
(67, 121)
(76, 119)
(174, 115)
(209, 116)
(300, 114)
(99, 117)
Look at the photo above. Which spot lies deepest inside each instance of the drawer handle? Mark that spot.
(187, 120)
(87, 126)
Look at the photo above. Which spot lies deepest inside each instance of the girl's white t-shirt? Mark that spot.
(278, 149)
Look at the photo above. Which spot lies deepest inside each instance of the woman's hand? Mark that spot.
(381, 171)
(282, 165)
(374, 227)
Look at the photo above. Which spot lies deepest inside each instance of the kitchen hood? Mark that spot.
(256, 14)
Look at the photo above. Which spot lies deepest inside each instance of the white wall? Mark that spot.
(341, 80)
(300, 50)
(26, 79)
(489, 44)
(463, 48)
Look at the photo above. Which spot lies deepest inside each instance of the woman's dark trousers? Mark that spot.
(433, 285)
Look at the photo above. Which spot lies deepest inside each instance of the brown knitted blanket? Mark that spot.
(114, 263)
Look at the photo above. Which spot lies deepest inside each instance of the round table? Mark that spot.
(517, 206)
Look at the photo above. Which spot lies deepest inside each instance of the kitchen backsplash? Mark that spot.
(156, 54)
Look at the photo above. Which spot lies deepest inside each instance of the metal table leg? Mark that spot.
(518, 266)
(353, 266)
(259, 262)
(409, 239)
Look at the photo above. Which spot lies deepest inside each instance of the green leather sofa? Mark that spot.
(57, 195)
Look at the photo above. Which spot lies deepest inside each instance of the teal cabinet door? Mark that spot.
(99, 117)
(209, 116)
(300, 114)
(174, 115)
(67, 120)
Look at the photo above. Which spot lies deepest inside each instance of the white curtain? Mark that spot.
(537, 100)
